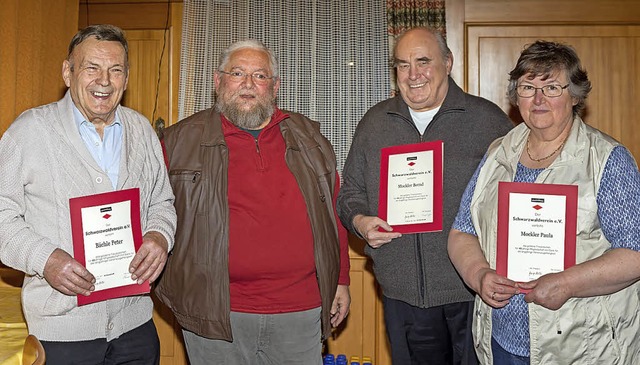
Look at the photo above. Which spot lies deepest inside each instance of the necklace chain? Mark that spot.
(548, 156)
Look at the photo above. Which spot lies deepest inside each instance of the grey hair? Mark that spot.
(543, 59)
(442, 43)
(101, 32)
(225, 55)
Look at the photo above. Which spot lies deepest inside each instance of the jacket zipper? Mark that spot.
(260, 161)
(419, 260)
(421, 279)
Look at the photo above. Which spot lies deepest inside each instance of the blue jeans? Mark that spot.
(262, 339)
(503, 357)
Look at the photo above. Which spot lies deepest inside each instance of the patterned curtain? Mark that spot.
(333, 56)
(405, 14)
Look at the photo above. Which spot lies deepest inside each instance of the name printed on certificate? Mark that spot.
(411, 187)
(106, 235)
(536, 229)
(108, 243)
(410, 193)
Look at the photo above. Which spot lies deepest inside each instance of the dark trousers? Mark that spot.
(430, 336)
(139, 346)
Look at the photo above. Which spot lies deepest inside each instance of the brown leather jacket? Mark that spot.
(195, 283)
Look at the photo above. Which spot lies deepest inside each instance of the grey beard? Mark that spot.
(251, 119)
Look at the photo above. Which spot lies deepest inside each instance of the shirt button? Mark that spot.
(110, 326)
(97, 144)
(99, 179)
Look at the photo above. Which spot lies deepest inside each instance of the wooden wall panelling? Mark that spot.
(609, 53)
(547, 11)
(35, 36)
(127, 14)
(144, 22)
(347, 339)
(382, 346)
(172, 350)
(363, 332)
(174, 60)
(454, 13)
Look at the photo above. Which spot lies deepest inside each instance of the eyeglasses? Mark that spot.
(259, 78)
(552, 91)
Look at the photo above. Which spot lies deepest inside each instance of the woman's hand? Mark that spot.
(467, 257)
(495, 290)
(549, 291)
(615, 270)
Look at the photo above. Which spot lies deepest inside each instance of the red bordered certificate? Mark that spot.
(411, 187)
(536, 229)
(106, 235)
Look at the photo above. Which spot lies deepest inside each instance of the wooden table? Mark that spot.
(13, 329)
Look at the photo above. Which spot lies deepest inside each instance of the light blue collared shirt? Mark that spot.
(105, 151)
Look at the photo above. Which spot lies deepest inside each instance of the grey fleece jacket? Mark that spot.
(45, 163)
(415, 268)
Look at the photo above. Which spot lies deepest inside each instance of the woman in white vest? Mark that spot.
(588, 313)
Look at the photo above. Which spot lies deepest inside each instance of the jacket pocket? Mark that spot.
(616, 339)
(190, 203)
(185, 175)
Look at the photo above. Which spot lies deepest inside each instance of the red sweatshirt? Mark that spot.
(271, 261)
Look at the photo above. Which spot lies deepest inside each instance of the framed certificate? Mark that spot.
(106, 235)
(411, 187)
(536, 229)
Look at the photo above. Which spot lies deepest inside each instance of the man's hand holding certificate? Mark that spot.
(106, 235)
(149, 261)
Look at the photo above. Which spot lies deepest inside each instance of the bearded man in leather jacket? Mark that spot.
(260, 269)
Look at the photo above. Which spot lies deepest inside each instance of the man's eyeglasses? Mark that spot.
(552, 91)
(258, 77)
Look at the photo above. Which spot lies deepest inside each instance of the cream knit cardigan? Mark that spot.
(44, 163)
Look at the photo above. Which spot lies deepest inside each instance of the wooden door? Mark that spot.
(148, 92)
(610, 54)
(149, 71)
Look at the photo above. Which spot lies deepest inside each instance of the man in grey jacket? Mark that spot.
(427, 307)
(84, 144)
